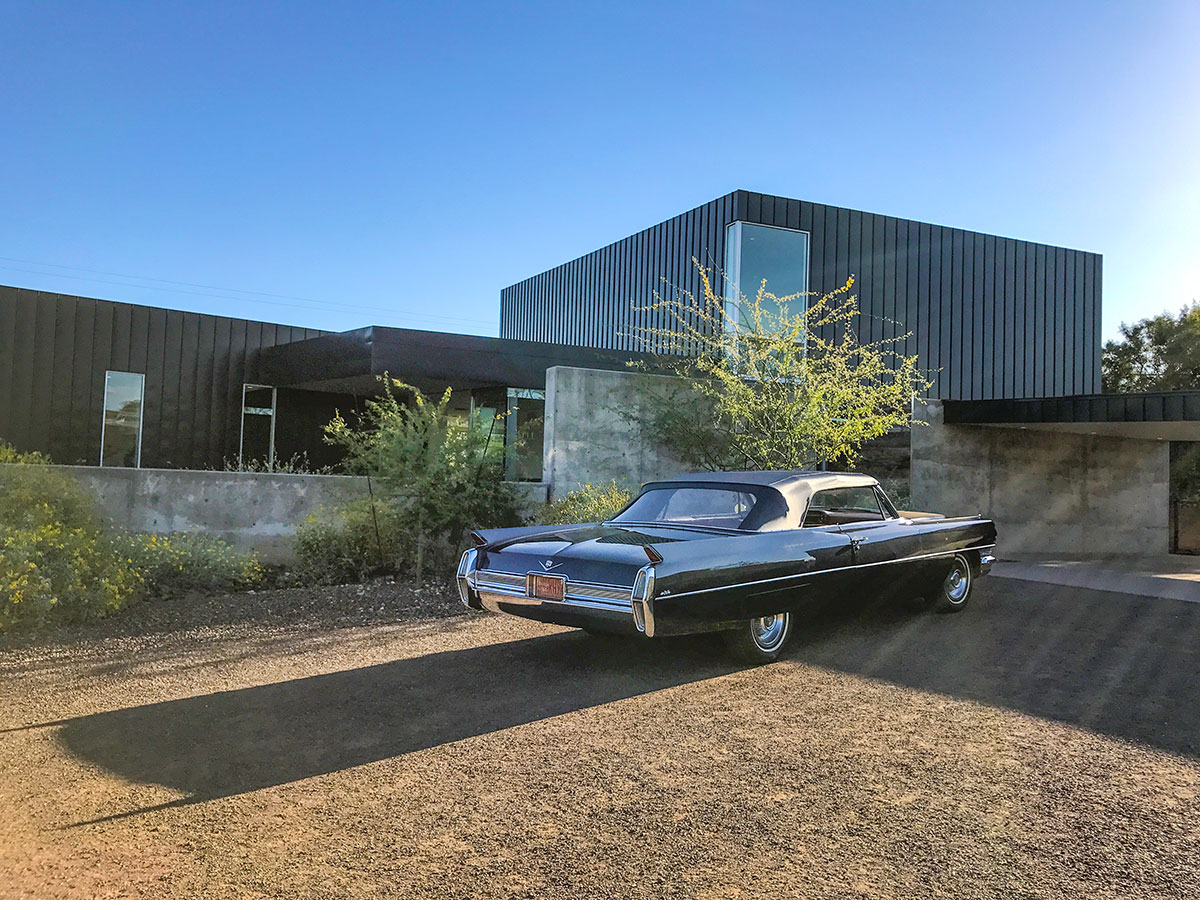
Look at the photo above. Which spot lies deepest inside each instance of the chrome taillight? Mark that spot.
(466, 566)
(641, 598)
(643, 584)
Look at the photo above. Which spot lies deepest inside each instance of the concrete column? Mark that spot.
(595, 429)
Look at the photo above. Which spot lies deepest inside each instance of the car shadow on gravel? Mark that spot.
(228, 743)
(1115, 664)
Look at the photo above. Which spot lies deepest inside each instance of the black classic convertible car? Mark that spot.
(738, 552)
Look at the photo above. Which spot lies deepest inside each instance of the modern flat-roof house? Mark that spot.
(1010, 330)
(994, 317)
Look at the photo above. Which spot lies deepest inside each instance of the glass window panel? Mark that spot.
(257, 448)
(121, 433)
(780, 255)
(524, 434)
(859, 499)
(842, 506)
(889, 508)
(710, 506)
(486, 405)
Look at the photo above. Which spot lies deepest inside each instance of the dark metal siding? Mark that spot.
(992, 317)
(55, 349)
(590, 302)
(1162, 406)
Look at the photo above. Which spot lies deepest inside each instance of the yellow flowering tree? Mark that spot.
(767, 382)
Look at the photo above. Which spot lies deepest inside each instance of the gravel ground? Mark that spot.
(377, 742)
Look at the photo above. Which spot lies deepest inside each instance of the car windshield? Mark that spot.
(709, 507)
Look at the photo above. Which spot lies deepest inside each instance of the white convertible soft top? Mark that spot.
(796, 485)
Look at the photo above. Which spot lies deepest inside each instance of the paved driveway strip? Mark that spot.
(1044, 743)
(1166, 577)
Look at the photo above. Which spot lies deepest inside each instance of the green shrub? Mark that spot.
(171, 565)
(441, 470)
(899, 490)
(346, 544)
(590, 503)
(297, 464)
(56, 563)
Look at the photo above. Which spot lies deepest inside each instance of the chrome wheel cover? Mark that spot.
(768, 632)
(958, 582)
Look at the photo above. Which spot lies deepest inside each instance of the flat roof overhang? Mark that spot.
(1164, 416)
(353, 362)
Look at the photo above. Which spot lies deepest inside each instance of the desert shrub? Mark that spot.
(171, 565)
(297, 464)
(590, 503)
(441, 472)
(56, 563)
(899, 490)
(349, 543)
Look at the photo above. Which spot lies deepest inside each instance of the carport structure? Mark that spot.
(1087, 474)
(321, 375)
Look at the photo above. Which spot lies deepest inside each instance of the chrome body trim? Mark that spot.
(507, 589)
(679, 526)
(500, 579)
(859, 566)
(583, 592)
(494, 596)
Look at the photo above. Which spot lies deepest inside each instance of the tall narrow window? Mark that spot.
(121, 429)
(524, 433)
(513, 420)
(486, 405)
(256, 449)
(754, 252)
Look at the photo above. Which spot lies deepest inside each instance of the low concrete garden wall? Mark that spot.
(1048, 491)
(251, 510)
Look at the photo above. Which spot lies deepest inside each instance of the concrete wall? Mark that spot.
(595, 429)
(1048, 492)
(251, 510)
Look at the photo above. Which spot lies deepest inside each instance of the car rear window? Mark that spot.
(712, 507)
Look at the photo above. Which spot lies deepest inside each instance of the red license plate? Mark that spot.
(546, 587)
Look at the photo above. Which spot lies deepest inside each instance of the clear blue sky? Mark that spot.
(400, 163)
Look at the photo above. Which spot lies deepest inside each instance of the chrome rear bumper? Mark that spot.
(985, 564)
(601, 605)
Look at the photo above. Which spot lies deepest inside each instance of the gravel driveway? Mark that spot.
(378, 742)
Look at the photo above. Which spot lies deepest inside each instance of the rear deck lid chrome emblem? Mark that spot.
(548, 564)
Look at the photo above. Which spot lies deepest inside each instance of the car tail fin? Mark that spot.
(495, 538)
